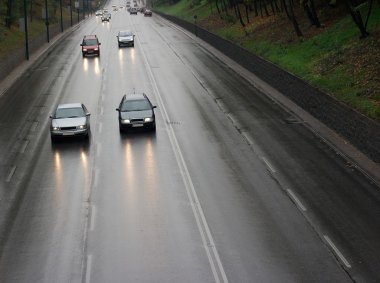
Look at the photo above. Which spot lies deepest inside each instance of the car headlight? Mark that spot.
(125, 121)
(84, 49)
(148, 119)
(81, 127)
(96, 49)
(55, 128)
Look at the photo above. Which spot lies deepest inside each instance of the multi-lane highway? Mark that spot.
(230, 187)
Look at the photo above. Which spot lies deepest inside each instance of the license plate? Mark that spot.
(137, 125)
(68, 134)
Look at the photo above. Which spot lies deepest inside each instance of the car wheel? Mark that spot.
(133, 44)
(83, 54)
(52, 139)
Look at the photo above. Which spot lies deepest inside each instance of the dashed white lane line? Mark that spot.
(88, 268)
(337, 252)
(96, 178)
(98, 149)
(33, 128)
(100, 127)
(296, 200)
(93, 217)
(267, 163)
(101, 110)
(24, 145)
(11, 173)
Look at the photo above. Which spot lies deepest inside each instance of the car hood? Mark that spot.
(136, 114)
(126, 38)
(90, 46)
(68, 122)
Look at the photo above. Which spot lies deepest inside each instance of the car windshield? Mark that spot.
(69, 113)
(135, 105)
(88, 42)
(125, 33)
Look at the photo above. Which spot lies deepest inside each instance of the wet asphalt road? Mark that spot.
(229, 188)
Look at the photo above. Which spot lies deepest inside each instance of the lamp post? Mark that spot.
(26, 32)
(47, 21)
(60, 6)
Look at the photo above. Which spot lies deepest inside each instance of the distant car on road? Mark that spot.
(136, 112)
(125, 38)
(133, 11)
(147, 13)
(106, 17)
(98, 13)
(90, 45)
(70, 120)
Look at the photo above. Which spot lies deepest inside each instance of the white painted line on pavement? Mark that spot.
(296, 200)
(34, 126)
(271, 168)
(234, 121)
(337, 252)
(98, 149)
(100, 127)
(11, 173)
(93, 216)
(96, 178)
(24, 145)
(101, 110)
(203, 228)
(88, 268)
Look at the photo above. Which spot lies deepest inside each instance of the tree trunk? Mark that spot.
(8, 18)
(357, 18)
(290, 14)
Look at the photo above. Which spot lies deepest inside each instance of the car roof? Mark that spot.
(69, 105)
(90, 36)
(135, 96)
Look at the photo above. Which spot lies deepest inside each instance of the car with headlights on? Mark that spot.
(136, 112)
(90, 45)
(147, 13)
(125, 38)
(70, 120)
(106, 17)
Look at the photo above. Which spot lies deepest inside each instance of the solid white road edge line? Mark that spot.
(93, 216)
(337, 252)
(193, 198)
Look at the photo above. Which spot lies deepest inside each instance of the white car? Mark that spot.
(98, 13)
(70, 120)
(126, 38)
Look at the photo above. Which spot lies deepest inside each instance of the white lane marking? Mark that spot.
(24, 145)
(98, 149)
(337, 252)
(248, 138)
(296, 200)
(100, 127)
(96, 178)
(88, 268)
(202, 225)
(271, 168)
(93, 217)
(221, 105)
(34, 126)
(101, 110)
(11, 173)
(234, 121)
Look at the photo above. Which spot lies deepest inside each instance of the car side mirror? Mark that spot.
(154, 106)
(99, 43)
(118, 109)
(81, 44)
(51, 116)
(88, 114)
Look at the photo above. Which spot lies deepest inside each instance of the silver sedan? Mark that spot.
(70, 120)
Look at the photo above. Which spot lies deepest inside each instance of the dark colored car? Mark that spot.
(90, 45)
(70, 120)
(125, 38)
(147, 13)
(135, 112)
